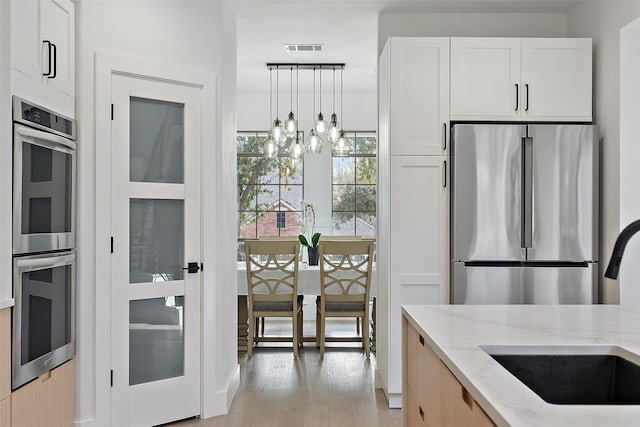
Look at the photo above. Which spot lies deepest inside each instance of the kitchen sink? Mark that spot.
(591, 375)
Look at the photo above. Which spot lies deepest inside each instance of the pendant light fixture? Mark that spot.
(313, 143)
(270, 146)
(334, 129)
(291, 124)
(341, 146)
(296, 151)
(321, 125)
(277, 131)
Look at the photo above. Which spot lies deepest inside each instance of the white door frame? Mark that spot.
(106, 65)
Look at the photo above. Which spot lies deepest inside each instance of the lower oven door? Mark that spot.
(44, 314)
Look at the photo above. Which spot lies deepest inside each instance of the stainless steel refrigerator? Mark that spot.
(524, 214)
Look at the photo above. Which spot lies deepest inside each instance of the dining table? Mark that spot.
(308, 284)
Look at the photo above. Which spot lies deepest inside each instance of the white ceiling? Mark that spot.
(347, 29)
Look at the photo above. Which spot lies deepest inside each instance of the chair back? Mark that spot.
(345, 270)
(272, 270)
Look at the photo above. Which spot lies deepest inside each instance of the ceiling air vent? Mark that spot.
(303, 47)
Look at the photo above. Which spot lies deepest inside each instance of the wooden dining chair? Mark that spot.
(272, 284)
(345, 285)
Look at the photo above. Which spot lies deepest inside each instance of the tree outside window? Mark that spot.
(269, 190)
(354, 182)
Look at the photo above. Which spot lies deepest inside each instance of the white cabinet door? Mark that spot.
(58, 26)
(419, 254)
(43, 53)
(485, 78)
(419, 95)
(26, 44)
(419, 226)
(556, 77)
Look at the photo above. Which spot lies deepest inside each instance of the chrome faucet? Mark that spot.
(618, 249)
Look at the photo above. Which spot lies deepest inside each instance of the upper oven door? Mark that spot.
(44, 185)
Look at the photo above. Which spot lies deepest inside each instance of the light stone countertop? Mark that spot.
(6, 303)
(456, 332)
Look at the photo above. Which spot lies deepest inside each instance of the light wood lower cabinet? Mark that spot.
(432, 396)
(5, 411)
(46, 401)
(5, 353)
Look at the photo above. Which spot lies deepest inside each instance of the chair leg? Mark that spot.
(317, 328)
(256, 327)
(357, 326)
(262, 322)
(251, 322)
(300, 328)
(322, 331)
(294, 318)
(365, 337)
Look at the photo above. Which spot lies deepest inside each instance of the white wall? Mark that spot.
(6, 155)
(360, 114)
(602, 21)
(200, 35)
(470, 25)
(630, 157)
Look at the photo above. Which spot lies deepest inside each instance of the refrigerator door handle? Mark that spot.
(527, 192)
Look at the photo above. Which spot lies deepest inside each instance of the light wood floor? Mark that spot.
(276, 390)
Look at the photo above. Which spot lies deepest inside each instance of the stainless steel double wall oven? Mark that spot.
(44, 263)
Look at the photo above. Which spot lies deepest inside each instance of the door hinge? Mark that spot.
(111, 378)
(111, 244)
(111, 111)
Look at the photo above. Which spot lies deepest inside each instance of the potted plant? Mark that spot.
(312, 249)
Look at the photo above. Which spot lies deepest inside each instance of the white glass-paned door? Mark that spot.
(155, 300)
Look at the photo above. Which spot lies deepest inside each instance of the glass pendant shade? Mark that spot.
(313, 143)
(296, 151)
(278, 133)
(334, 130)
(321, 125)
(291, 124)
(270, 148)
(342, 144)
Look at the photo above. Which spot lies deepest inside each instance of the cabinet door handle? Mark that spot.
(48, 43)
(421, 412)
(444, 137)
(444, 174)
(55, 61)
(517, 95)
(526, 87)
(421, 340)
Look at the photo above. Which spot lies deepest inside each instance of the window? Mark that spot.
(269, 190)
(354, 180)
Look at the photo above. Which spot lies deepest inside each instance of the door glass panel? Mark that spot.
(156, 247)
(156, 339)
(46, 190)
(156, 141)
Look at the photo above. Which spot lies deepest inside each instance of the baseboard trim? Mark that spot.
(223, 398)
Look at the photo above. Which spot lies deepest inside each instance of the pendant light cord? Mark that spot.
(291, 87)
(341, 99)
(333, 91)
(270, 95)
(320, 93)
(277, 93)
(297, 93)
(314, 93)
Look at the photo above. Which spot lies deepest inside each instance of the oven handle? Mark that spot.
(45, 138)
(46, 261)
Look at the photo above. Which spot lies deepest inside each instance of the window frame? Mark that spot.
(353, 153)
(283, 154)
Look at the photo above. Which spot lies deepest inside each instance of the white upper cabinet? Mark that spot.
(537, 79)
(58, 26)
(419, 95)
(43, 52)
(485, 77)
(556, 74)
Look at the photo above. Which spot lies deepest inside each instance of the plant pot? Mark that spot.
(313, 255)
